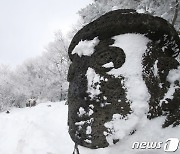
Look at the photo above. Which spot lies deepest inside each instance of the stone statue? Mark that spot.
(124, 71)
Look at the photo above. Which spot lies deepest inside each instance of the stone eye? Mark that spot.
(105, 57)
(111, 54)
(120, 57)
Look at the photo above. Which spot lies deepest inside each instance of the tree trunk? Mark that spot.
(176, 12)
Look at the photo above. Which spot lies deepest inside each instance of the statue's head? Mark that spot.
(120, 76)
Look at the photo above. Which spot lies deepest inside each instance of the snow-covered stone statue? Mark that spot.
(124, 72)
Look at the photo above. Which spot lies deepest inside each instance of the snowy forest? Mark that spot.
(45, 77)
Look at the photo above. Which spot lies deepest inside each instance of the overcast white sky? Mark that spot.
(26, 26)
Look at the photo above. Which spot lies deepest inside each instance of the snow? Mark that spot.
(140, 10)
(155, 71)
(108, 65)
(115, 8)
(169, 93)
(93, 83)
(37, 130)
(174, 75)
(88, 141)
(90, 112)
(105, 98)
(85, 48)
(134, 46)
(88, 130)
(151, 131)
(81, 112)
(43, 130)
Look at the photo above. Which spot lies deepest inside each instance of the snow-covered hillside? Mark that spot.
(38, 130)
(43, 130)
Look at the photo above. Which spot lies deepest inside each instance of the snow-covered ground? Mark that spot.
(43, 130)
(37, 130)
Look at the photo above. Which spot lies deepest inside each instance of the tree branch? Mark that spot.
(176, 12)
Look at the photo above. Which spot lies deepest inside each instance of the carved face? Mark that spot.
(121, 76)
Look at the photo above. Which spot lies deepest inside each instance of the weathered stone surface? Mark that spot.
(87, 115)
